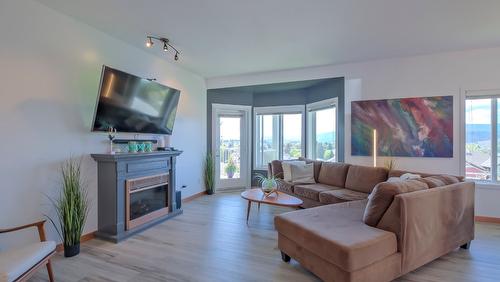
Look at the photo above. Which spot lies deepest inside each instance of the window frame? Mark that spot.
(316, 106)
(277, 110)
(493, 94)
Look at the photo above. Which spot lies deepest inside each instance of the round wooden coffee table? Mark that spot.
(276, 199)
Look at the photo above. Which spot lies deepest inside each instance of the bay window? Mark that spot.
(278, 134)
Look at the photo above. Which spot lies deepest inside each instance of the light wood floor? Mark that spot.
(211, 242)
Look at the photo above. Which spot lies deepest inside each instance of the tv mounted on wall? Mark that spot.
(133, 104)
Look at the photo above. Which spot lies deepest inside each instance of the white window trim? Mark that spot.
(277, 110)
(478, 94)
(333, 102)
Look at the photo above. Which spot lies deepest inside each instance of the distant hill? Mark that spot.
(478, 132)
(326, 137)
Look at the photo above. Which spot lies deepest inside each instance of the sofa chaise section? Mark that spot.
(401, 227)
(334, 243)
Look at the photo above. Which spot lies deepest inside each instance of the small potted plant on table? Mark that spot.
(269, 184)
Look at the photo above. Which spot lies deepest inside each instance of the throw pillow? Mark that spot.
(287, 174)
(302, 173)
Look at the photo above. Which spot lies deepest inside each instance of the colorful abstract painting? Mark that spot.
(407, 127)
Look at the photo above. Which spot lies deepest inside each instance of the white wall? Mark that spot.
(50, 68)
(430, 75)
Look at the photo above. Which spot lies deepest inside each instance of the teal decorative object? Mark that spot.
(132, 147)
(148, 147)
(140, 147)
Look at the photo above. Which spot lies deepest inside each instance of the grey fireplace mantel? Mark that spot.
(113, 170)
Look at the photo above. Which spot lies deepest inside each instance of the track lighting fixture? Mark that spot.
(149, 42)
(166, 44)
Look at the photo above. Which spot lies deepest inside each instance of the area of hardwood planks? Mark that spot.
(211, 242)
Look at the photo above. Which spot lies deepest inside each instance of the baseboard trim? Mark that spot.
(487, 219)
(84, 238)
(194, 196)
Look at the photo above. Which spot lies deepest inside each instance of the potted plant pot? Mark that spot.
(230, 174)
(71, 251)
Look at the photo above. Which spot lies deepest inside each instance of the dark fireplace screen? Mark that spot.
(146, 201)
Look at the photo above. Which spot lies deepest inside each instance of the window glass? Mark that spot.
(322, 134)
(292, 136)
(478, 139)
(230, 139)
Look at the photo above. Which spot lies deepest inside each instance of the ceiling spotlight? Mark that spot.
(166, 44)
(149, 42)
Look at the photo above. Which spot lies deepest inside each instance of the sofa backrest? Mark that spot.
(364, 178)
(333, 174)
(383, 195)
(430, 223)
(274, 168)
(398, 173)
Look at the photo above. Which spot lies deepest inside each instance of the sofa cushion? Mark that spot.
(311, 191)
(364, 178)
(15, 262)
(341, 195)
(333, 174)
(336, 234)
(317, 166)
(277, 169)
(382, 196)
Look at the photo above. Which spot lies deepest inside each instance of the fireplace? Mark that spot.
(135, 191)
(146, 198)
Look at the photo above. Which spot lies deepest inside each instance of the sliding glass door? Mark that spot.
(230, 145)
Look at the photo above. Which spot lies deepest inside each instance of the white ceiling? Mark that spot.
(227, 37)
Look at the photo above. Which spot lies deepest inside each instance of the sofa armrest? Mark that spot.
(434, 222)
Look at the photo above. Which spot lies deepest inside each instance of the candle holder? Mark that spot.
(111, 137)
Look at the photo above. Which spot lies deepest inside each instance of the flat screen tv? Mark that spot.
(133, 104)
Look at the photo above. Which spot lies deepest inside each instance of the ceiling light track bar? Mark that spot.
(166, 44)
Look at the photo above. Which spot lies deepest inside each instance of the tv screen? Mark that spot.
(133, 104)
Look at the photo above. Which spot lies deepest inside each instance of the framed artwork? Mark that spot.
(406, 127)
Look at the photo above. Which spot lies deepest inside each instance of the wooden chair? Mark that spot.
(20, 264)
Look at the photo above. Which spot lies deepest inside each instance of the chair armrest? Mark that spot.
(38, 225)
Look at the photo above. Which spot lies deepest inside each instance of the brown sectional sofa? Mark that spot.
(335, 182)
(400, 227)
